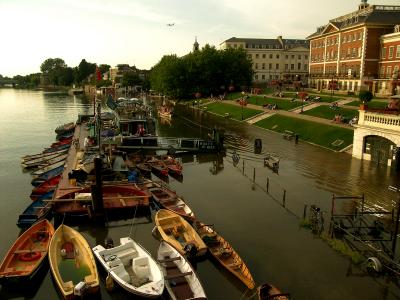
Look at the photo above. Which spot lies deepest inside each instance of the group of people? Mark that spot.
(270, 106)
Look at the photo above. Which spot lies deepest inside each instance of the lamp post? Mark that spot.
(241, 103)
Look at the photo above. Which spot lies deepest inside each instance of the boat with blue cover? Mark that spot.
(35, 211)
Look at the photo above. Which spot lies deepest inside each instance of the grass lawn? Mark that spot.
(331, 137)
(323, 111)
(235, 112)
(371, 104)
(281, 103)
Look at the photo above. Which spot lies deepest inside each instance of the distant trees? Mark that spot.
(206, 71)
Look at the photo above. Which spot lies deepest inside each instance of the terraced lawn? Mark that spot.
(323, 111)
(235, 112)
(332, 137)
(281, 103)
(372, 104)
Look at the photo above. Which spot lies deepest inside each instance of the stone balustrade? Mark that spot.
(379, 120)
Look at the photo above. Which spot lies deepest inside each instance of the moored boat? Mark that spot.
(72, 263)
(34, 162)
(68, 127)
(181, 279)
(225, 254)
(35, 211)
(61, 142)
(132, 267)
(174, 167)
(47, 175)
(158, 167)
(42, 155)
(28, 252)
(40, 172)
(179, 233)
(267, 291)
(45, 187)
(58, 148)
(169, 200)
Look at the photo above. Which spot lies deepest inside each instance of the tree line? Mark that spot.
(200, 73)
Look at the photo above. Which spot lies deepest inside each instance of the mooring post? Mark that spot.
(97, 189)
(284, 198)
(305, 211)
(243, 167)
(254, 175)
(396, 229)
(267, 184)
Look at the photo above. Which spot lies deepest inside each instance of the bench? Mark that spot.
(288, 134)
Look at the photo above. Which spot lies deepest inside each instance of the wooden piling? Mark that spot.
(97, 189)
(267, 184)
(284, 198)
(243, 167)
(254, 175)
(305, 211)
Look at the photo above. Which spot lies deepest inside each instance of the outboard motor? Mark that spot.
(80, 289)
(108, 243)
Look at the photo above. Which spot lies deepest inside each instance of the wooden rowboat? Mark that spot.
(72, 263)
(47, 175)
(28, 252)
(174, 167)
(37, 160)
(169, 200)
(68, 127)
(179, 233)
(45, 187)
(270, 292)
(181, 280)
(132, 267)
(39, 172)
(225, 254)
(158, 167)
(35, 211)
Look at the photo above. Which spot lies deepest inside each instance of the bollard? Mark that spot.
(243, 167)
(284, 198)
(305, 211)
(254, 175)
(267, 184)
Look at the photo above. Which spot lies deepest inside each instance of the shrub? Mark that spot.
(365, 96)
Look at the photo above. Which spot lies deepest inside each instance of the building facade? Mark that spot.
(274, 59)
(388, 82)
(345, 53)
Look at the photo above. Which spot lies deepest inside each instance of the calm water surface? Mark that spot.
(266, 235)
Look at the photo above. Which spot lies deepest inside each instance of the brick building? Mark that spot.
(274, 59)
(345, 53)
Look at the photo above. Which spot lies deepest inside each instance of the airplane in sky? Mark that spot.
(170, 24)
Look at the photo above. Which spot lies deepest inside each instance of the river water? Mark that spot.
(266, 235)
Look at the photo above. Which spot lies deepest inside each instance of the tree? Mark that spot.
(365, 96)
(104, 68)
(84, 70)
(131, 79)
(65, 76)
(53, 68)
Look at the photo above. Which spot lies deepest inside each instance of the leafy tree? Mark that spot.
(102, 83)
(52, 67)
(131, 79)
(84, 70)
(65, 76)
(104, 68)
(365, 96)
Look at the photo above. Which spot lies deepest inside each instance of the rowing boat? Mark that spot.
(27, 253)
(267, 291)
(35, 211)
(47, 175)
(179, 233)
(225, 254)
(181, 279)
(72, 263)
(45, 187)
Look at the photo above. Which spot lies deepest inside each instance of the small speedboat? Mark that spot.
(132, 267)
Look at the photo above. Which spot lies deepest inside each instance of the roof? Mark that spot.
(372, 15)
(291, 42)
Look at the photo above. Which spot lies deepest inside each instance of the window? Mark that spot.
(305, 67)
(354, 37)
(277, 66)
(292, 67)
(391, 50)
(353, 54)
(270, 56)
(292, 56)
(256, 66)
(389, 72)
(299, 56)
(262, 76)
(249, 56)
(286, 66)
(344, 39)
(348, 52)
(396, 72)
(383, 54)
(277, 56)
(299, 66)
(382, 71)
(263, 66)
(359, 52)
(263, 56)
(398, 52)
(306, 56)
(287, 56)
(270, 66)
(256, 55)
(256, 76)
(360, 35)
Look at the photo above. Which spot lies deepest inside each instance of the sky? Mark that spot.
(135, 32)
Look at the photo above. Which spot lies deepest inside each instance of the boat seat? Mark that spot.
(140, 267)
(114, 263)
(235, 265)
(68, 286)
(121, 273)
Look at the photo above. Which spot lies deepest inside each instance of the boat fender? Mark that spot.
(63, 252)
(109, 283)
(30, 256)
(374, 264)
(80, 288)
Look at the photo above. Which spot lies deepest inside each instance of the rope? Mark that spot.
(133, 221)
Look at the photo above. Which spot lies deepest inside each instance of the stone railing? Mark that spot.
(380, 119)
